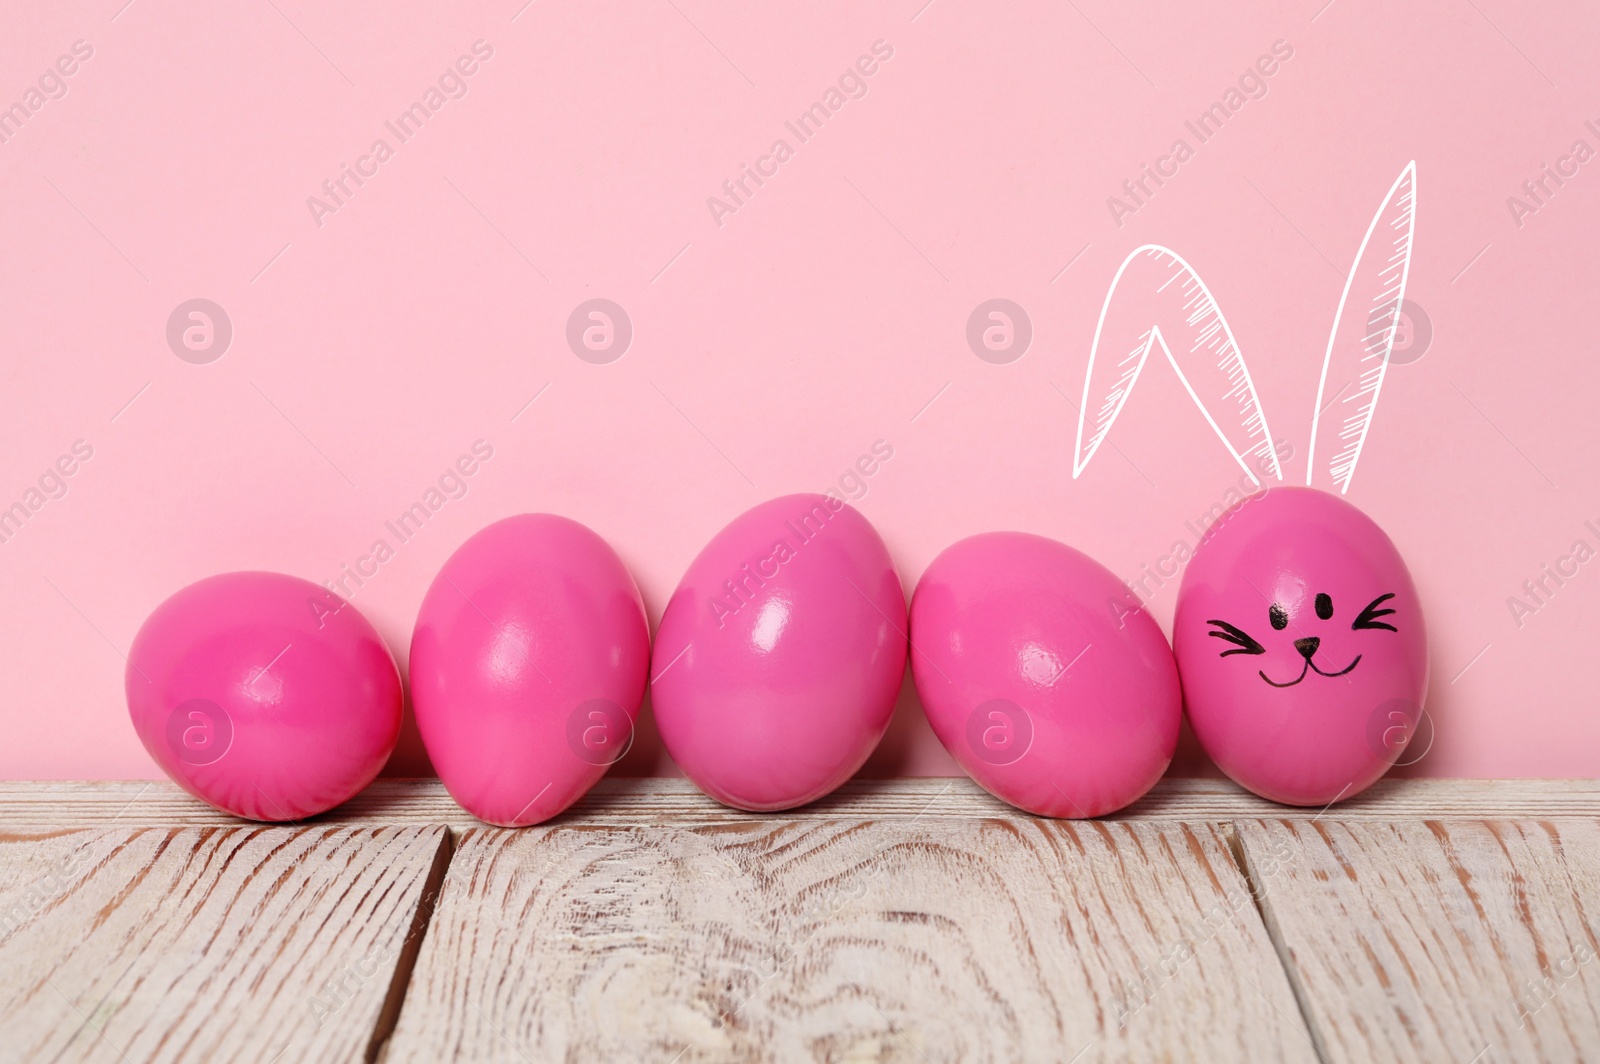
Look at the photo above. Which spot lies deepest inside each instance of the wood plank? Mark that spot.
(1433, 941)
(205, 943)
(775, 940)
(626, 801)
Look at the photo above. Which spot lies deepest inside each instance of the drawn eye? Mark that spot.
(1241, 640)
(1368, 617)
(1324, 606)
(1278, 616)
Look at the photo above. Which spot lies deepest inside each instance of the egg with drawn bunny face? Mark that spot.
(1301, 647)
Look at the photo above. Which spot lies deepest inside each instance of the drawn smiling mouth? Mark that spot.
(1309, 667)
(1242, 642)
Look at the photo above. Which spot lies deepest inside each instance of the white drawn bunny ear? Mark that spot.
(1208, 361)
(1363, 337)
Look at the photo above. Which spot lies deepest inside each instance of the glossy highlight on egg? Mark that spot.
(263, 694)
(528, 667)
(1043, 675)
(779, 657)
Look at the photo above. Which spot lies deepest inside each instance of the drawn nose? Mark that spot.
(1307, 646)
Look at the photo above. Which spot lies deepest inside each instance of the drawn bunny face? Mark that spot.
(1298, 635)
(1306, 535)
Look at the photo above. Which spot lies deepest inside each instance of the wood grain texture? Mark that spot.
(625, 802)
(972, 940)
(141, 944)
(652, 924)
(1438, 941)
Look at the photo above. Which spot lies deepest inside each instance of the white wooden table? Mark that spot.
(908, 920)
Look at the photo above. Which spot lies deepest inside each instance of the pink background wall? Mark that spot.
(772, 345)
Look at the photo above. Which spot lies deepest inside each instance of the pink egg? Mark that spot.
(780, 655)
(263, 694)
(528, 666)
(1301, 645)
(1043, 675)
